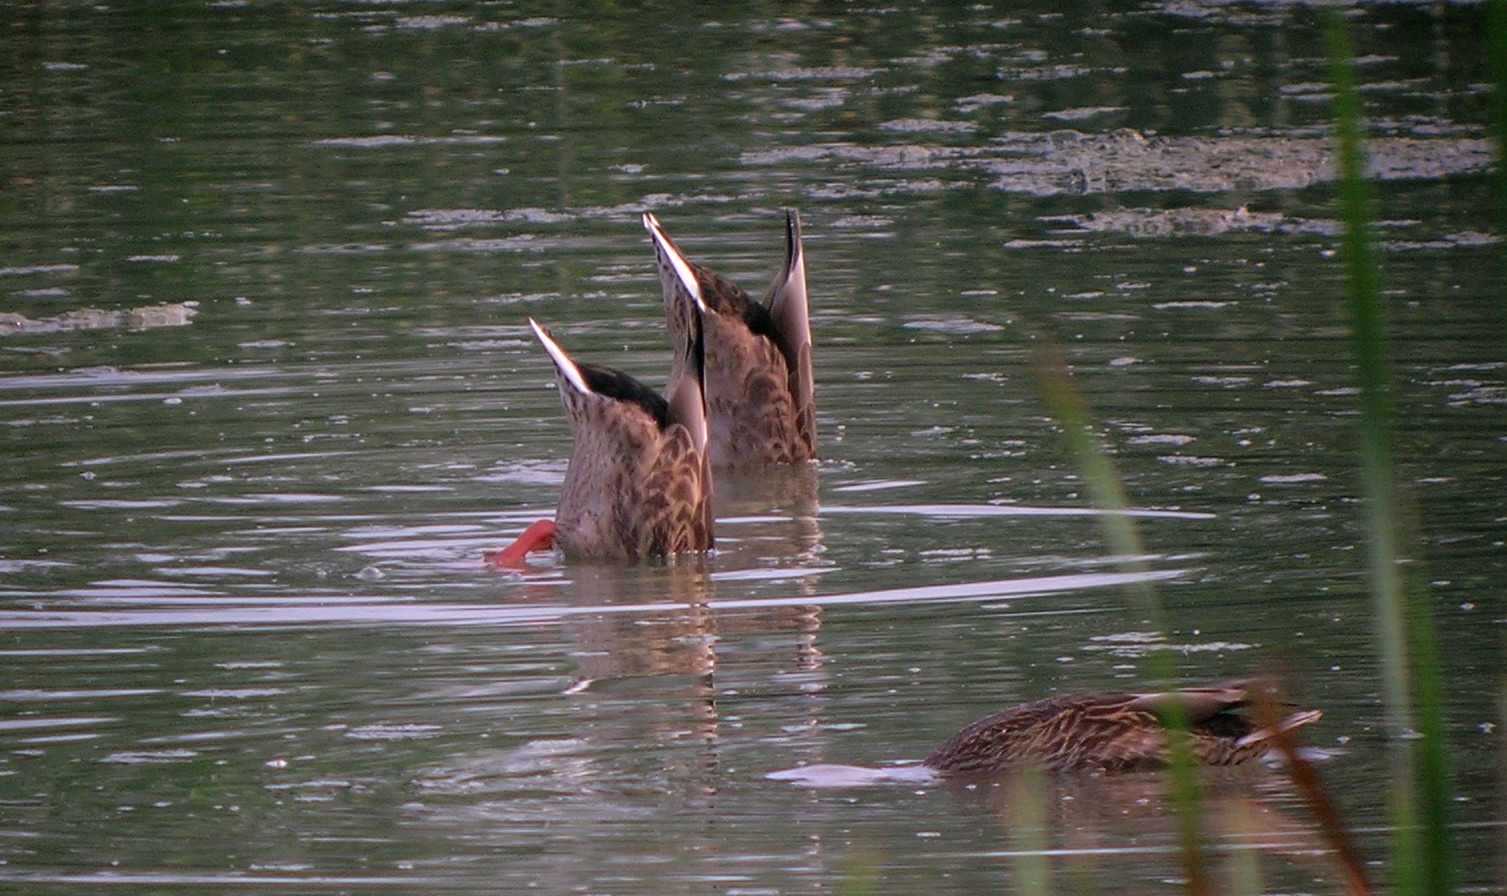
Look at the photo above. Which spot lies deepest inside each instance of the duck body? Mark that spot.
(760, 393)
(638, 485)
(1115, 732)
(752, 415)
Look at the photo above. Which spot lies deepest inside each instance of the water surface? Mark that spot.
(267, 393)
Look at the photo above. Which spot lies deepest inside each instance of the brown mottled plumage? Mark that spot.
(638, 485)
(1111, 732)
(759, 390)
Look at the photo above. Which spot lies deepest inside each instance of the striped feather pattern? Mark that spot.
(1110, 733)
(758, 376)
(638, 486)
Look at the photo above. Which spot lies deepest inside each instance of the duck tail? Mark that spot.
(568, 370)
(789, 307)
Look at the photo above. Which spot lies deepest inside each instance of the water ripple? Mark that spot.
(359, 611)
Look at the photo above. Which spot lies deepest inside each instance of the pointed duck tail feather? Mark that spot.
(790, 309)
(686, 390)
(681, 284)
(687, 401)
(671, 256)
(568, 370)
(787, 295)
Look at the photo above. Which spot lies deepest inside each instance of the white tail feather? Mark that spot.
(677, 261)
(563, 363)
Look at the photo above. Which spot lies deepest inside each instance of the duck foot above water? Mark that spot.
(539, 536)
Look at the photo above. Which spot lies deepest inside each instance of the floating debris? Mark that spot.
(1149, 222)
(146, 317)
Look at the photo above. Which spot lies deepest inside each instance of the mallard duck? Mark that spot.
(638, 484)
(1113, 732)
(759, 390)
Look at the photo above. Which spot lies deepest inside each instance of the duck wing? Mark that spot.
(673, 502)
(1201, 704)
(1061, 733)
(1197, 704)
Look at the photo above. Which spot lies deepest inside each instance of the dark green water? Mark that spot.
(246, 640)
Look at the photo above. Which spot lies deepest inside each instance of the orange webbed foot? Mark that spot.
(539, 536)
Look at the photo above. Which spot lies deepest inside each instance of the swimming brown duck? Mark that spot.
(1113, 732)
(759, 390)
(638, 484)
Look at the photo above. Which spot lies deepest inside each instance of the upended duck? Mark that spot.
(638, 484)
(760, 394)
(1114, 732)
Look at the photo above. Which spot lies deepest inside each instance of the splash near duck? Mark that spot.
(760, 392)
(1115, 732)
(638, 485)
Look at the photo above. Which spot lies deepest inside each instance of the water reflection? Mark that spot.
(772, 513)
(1090, 819)
(1089, 823)
(679, 640)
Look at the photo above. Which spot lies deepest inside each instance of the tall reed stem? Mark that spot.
(1108, 494)
(1420, 792)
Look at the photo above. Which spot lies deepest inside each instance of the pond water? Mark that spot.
(267, 392)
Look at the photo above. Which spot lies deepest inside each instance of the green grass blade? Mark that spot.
(1368, 342)
(860, 875)
(1104, 489)
(1432, 760)
(1421, 793)
(1496, 51)
(1245, 866)
(1108, 494)
(1501, 733)
(1027, 805)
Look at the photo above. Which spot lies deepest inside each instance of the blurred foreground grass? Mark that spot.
(1422, 849)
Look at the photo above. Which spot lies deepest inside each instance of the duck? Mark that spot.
(638, 485)
(1116, 732)
(759, 388)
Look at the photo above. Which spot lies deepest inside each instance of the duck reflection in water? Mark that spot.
(772, 514)
(646, 638)
(1078, 821)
